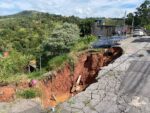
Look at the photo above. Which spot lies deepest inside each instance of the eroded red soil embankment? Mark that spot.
(7, 93)
(58, 88)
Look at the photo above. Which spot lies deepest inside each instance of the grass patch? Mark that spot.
(14, 64)
(29, 93)
(11, 79)
(36, 74)
(83, 43)
(57, 62)
(94, 50)
(80, 45)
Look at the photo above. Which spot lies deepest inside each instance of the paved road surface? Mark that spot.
(20, 106)
(121, 87)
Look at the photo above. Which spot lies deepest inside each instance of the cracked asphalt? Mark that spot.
(121, 87)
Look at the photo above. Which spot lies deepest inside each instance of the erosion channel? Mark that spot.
(59, 86)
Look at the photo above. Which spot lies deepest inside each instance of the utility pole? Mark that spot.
(40, 63)
(132, 25)
(124, 33)
(40, 57)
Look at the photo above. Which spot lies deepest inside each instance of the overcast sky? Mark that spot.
(81, 8)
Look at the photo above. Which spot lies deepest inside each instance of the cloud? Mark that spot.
(81, 8)
(5, 5)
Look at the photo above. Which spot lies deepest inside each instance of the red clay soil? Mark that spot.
(57, 88)
(88, 66)
(7, 93)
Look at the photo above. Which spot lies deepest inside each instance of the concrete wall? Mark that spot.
(102, 30)
(105, 30)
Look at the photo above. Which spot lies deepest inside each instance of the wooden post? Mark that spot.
(29, 68)
(54, 97)
(76, 86)
(40, 63)
(78, 81)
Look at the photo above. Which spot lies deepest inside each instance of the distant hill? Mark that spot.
(23, 13)
(71, 19)
(32, 13)
(27, 13)
(19, 29)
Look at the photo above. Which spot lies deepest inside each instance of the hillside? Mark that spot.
(33, 13)
(42, 37)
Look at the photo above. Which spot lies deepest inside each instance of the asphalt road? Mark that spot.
(121, 87)
(134, 91)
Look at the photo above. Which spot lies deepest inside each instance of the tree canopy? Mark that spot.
(141, 16)
(62, 38)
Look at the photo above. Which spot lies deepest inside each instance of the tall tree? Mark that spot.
(141, 16)
(129, 19)
(143, 12)
(62, 38)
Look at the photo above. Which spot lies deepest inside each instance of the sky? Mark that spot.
(80, 8)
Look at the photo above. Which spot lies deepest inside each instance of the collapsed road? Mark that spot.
(58, 86)
(122, 87)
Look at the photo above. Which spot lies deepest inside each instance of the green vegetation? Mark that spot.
(83, 43)
(36, 75)
(147, 27)
(114, 21)
(13, 67)
(32, 35)
(29, 93)
(11, 79)
(61, 40)
(57, 62)
(141, 16)
(14, 63)
(49, 39)
(85, 26)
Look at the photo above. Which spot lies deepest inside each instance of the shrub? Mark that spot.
(29, 93)
(36, 74)
(57, 61)
(83, 43)
(62, 38)
(147, 27)
(13, 64)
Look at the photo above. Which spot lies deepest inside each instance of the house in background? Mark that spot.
(109, 27)
(102, 30)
